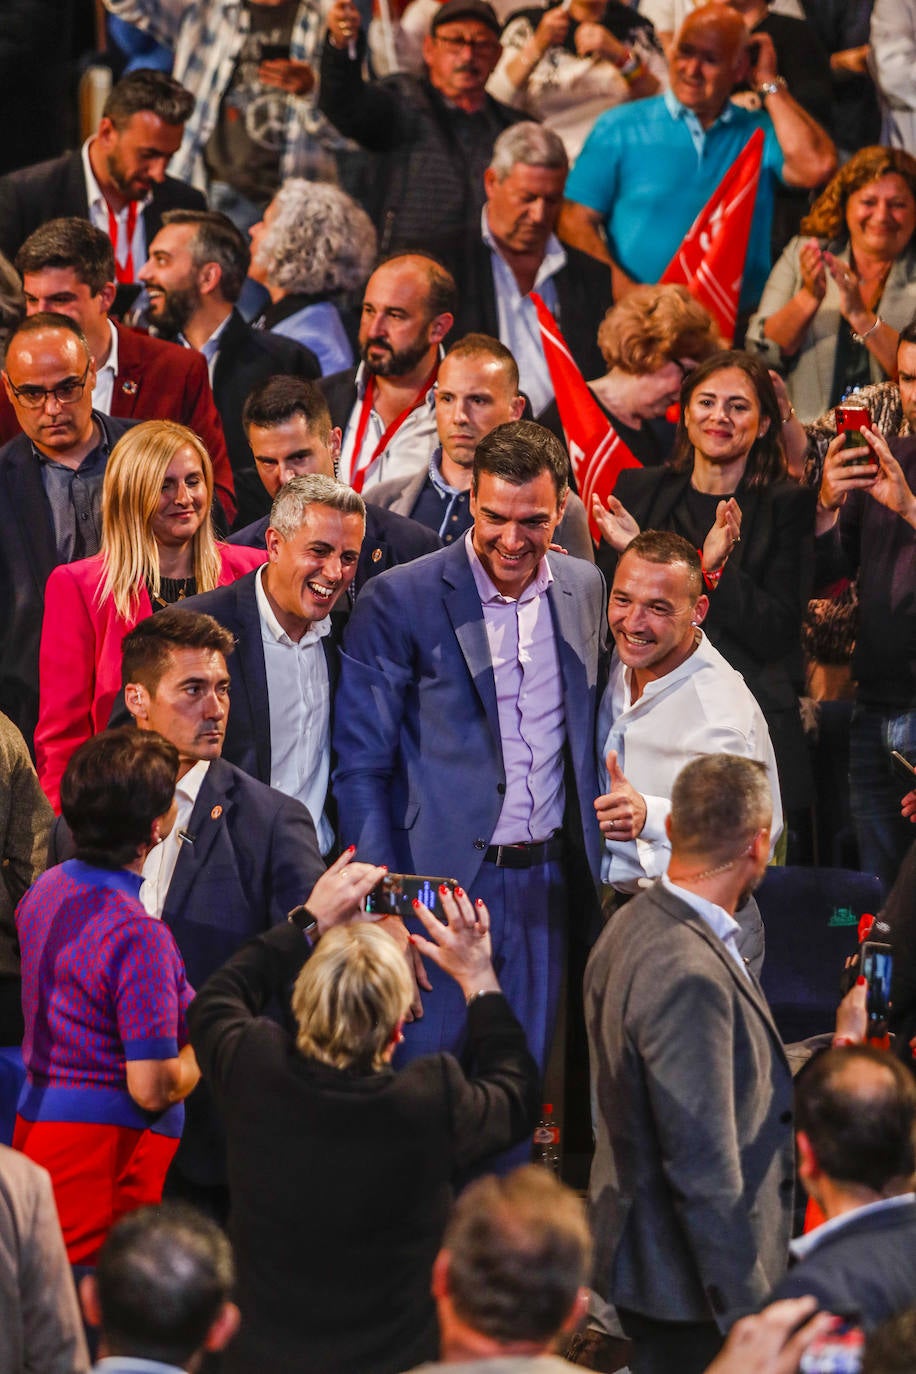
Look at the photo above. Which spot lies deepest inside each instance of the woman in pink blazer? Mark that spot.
(157, 548)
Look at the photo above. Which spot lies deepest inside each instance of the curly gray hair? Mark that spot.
(319, 241)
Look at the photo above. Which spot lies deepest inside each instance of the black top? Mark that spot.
(341, 1181)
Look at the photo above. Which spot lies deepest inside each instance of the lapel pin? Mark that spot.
(129, 388)
(376, 555)
(216, 813)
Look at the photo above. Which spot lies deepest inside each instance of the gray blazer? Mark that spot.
(572, 533)
(692, 1180)
(809, 375)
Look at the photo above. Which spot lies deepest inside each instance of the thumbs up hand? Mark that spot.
(622, 811)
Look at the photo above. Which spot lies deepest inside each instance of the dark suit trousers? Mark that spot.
(666, 1347)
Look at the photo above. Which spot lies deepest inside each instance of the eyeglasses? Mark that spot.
(65, 393)
(476, 45)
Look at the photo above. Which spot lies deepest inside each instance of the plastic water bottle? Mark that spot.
(547, 1140)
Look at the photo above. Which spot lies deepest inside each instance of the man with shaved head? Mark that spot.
(648, 168)
(50, 489)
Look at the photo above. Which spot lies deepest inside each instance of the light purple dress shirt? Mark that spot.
(529, 699)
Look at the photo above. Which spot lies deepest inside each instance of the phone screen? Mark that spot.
(877, 969)
(395, 894)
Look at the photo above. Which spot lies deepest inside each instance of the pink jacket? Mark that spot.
(80, 658)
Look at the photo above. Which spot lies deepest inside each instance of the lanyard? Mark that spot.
(361, 472)
(124, 271)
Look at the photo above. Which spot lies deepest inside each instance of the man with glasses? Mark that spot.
(433, 137)
(50, 490)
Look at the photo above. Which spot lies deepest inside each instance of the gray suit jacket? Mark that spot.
(40, 1324)
(572, 533)
(692, 1181)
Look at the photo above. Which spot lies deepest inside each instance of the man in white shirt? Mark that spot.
(285, 664)
(386, 408)
(671, 697)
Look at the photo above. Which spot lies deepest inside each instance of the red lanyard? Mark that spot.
(361, 473)
(124, 271)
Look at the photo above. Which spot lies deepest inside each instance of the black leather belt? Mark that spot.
(525, 855)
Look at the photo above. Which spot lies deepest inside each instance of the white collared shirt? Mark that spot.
(160, 862)
(299, 700)
(802, 1246)
(210, 347)
(518, 321)
(105, 377)
(98, 216)
(716, 917)
(410, 449)
(701, 707)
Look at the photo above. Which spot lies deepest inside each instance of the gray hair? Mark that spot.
(718, 803)
(291, 502)
(319, 242)
(529, 144)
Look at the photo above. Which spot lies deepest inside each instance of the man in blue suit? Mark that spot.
(464, 727)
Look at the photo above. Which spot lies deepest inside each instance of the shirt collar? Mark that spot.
(716, 917)
(489, 594)
(116, 879)
(111, 363)
(101, 450)
(94, 196)
(435, 475)
(269, 622)
(679, 111)
(362, 381)
(210, 347)
(802, 1246)
(132, 1364)
(187, 788)
(553, 261)
(691, 663)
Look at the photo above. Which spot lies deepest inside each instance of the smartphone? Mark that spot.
(904, 767)
(850, 421)
(394, 895)
(274, 52)
(877, 963)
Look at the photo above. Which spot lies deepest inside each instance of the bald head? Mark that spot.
(708, 58)
(49, 377)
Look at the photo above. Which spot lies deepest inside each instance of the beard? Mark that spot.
(395, 362)
(177, 307)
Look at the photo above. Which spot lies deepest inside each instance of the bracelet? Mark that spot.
(779, 83)
(482, 992)
(860, 338)
(632, 66)
(712, 579)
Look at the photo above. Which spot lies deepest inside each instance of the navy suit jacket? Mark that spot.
(247, 742)
(420, 778)
(389, 541)
(28, 556)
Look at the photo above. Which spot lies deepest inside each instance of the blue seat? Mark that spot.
(810, 917)
(12, 1077)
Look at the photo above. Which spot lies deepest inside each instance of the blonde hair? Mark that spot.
(654, 325)
(350, 996)
(130, 497)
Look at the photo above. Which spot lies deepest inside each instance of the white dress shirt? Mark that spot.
(518, 321)
(409, 450)
(701, 707)
(105, 377)
(98, 216)
(160, 862)
(299, 698)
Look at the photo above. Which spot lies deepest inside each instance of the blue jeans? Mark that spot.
(876, 788)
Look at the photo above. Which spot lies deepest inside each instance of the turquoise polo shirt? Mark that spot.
(649, 167)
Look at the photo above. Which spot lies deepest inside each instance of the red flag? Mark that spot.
(596, 450)
(710, 261)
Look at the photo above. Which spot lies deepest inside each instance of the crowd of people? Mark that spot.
(310, 581)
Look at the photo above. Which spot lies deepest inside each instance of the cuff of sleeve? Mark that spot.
(166, 1047)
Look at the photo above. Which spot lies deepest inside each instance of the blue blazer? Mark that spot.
(420, 779)
(247, 742)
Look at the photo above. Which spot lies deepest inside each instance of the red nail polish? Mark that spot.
(352, 849)
(416, 902)
(459, 892)
(411, 940)
(479, 902)
(443, 888)
(861, 981)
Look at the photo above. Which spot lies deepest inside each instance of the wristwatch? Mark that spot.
(302, 918)
(779, 83)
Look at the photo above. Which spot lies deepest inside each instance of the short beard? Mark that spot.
(178, 305)
(397, 363)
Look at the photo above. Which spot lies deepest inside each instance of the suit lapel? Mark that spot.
(26, 496)
(568, 635)
(250, 658)
(77, 194)
(208, 819)
(126, 395)
(462, 606)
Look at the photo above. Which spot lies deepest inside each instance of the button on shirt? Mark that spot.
(409, 450)
(98, 216)
(441, 507)
(75, 498)
(160, 862)
(518, 321)
(299, 696)
(529, 699)
(716, 917)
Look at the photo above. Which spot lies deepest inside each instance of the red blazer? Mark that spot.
(157, 380)
(80, 658)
